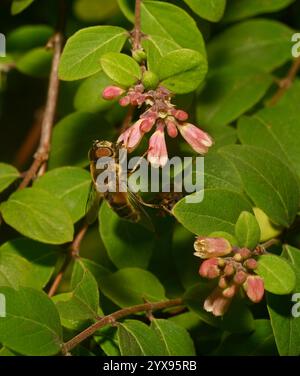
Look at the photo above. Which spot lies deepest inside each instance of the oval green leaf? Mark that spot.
(247, 230)
(8, 174)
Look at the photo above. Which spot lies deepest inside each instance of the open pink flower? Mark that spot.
(206, 247)
(199, 140)
(217, 303)
(132, 136)
(157, 152)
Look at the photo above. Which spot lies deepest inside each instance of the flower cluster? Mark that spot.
(234, 267)
(161, 113)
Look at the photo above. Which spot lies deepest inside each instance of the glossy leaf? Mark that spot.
(266, 42)
(95, 10)
(130, 286)
(73, 137)
(28, 37)
(18, 6)
(229, 93)
(136, 338)
(165, 22)
(8, 174)
(36, 63)
(218, 211)
(26, 263)
(69, 184)
(279, 277)
(84, 49)
(262, 182)
(175, 340)
(121, 68)
(240, 9)
(284, 311)
(247, 230)
(31, 325)
(182, 71)
(127, 244)
(38, 215)
(211, 10)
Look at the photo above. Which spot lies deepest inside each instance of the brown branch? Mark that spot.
(73, 253)
(136, 45)
(112, 318)
(285, 83)
(42, 154)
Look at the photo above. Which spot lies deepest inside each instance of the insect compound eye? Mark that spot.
(103, 152)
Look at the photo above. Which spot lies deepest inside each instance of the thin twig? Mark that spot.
(42, 154)
(112, 318)
(136, 45)
(73, 253)
(269, 243)
(286, 82)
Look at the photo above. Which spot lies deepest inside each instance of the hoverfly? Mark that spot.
(127, 204)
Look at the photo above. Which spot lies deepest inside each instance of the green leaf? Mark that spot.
(182, 71)
(95, 10)
(279, 277)
(28, 37)
(69, 184)
(18, 6)
(276, 128)
(127, 8)
(130, 286)
(73, 137)
(211, 10)
(268, 229)
(247, 230)
(31, 325)
(240, 9)
(121, 68)
(259, 343)
(82, 53)
(136, 339)
(167, 24)
(266, 42)
(265, 176)
(175, 340)
(83, 302)
(218, 211)
(27, 263)
(286, 327)
(8, 174)
(229, 93)
(238, 318)
(38, 215)
(36, 63)
(89, 94)
(127, 244)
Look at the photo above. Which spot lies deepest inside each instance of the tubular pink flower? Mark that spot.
(147, 124)
(132, 136)
(157, 152)
(206, 247)
(216, 303)
(181, 115)
(112, 92)
(209, 268)
(198, 139)
(171, 128)
(254, 287)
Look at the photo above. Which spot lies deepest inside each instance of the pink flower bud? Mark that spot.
(171, 128)
(254, 287)
(230, 291)
(181, 115)
(222, 283)
(157, 152)
(245, 253)
(211, 247)
(240, 277)
(147, 124)
(124, 101)
(198, 140)
(250, 264)
(132, 136)
(229, 270)
(216, 303)
(209, 268)
(112, 92)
